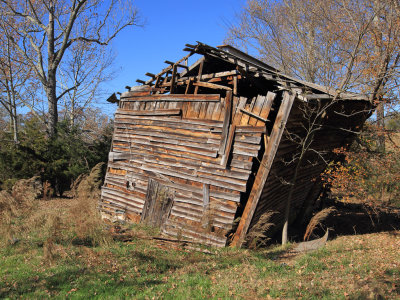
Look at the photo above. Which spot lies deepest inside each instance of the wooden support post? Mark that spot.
(227, 121)
(199, 76)
(189, 86)
(173, 79)
(235, 85)
(157, 83)
(263, 171)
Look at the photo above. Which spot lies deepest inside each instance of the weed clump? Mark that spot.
(256, 237)
(316, 220)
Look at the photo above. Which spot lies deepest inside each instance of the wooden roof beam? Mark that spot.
(169, 68)
(176, 64)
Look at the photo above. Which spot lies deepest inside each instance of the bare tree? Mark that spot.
(51, 28)
(314, 40)
(16, 81)
(85, 69)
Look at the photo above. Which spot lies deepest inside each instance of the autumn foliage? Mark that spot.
(365, 174)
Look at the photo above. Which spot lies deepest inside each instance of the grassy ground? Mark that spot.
(48, 261)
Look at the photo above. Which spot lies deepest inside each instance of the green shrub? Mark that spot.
(58, 160)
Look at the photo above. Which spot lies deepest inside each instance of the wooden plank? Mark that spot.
(253, 115)
(263, 172)
(174, 97)
(265, 110)
(212, 86)
(157, 112)
(206, 205)
(228, 148)
(238, 114)
(257, 119)
(248, 107)
(199, 75)
(189, 86)
(169, 68)
(214, 139)
(173, 79)
(210, 76)
(250, 129)
(227, 121)
(158, 204)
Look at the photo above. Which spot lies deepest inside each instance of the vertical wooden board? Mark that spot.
(235, 104)
(203, 110)
(217, 111)
(162, 105)
(210, 110)
(237, 113)
(228, 148)
(257, 110)
(197, 108)
(135, 105)
(267, 105)
(190, 113)
(206, 205)
(152, 188)
(227, 121)
(158, 204)
(249, 107)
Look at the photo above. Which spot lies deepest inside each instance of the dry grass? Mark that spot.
(257, 237)
(352, 267)
(316, 220)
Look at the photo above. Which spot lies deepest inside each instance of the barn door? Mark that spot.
(158, 204)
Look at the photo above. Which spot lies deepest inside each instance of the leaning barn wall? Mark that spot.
(178, 144)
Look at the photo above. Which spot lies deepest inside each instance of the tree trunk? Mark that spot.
(14, 122)
(288, 202)
(380, 117)
(51, 87)
(52, 103)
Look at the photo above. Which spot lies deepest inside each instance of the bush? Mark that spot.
(59, 160)
(366, 174)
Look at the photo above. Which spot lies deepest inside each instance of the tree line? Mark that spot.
(54, 57)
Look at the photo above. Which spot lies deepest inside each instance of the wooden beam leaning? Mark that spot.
(254, 115)
(173, 98)
(263, 171)
(169, 68)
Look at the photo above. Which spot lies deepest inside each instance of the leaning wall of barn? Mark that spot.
(177, 141)
(340, 122)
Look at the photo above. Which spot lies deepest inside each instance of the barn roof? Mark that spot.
(229, 57)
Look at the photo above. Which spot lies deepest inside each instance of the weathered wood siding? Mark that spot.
(200, 146)
(338, 129)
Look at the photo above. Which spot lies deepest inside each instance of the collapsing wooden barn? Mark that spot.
(204, 150)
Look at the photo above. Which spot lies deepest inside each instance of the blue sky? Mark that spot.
(169, 25)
